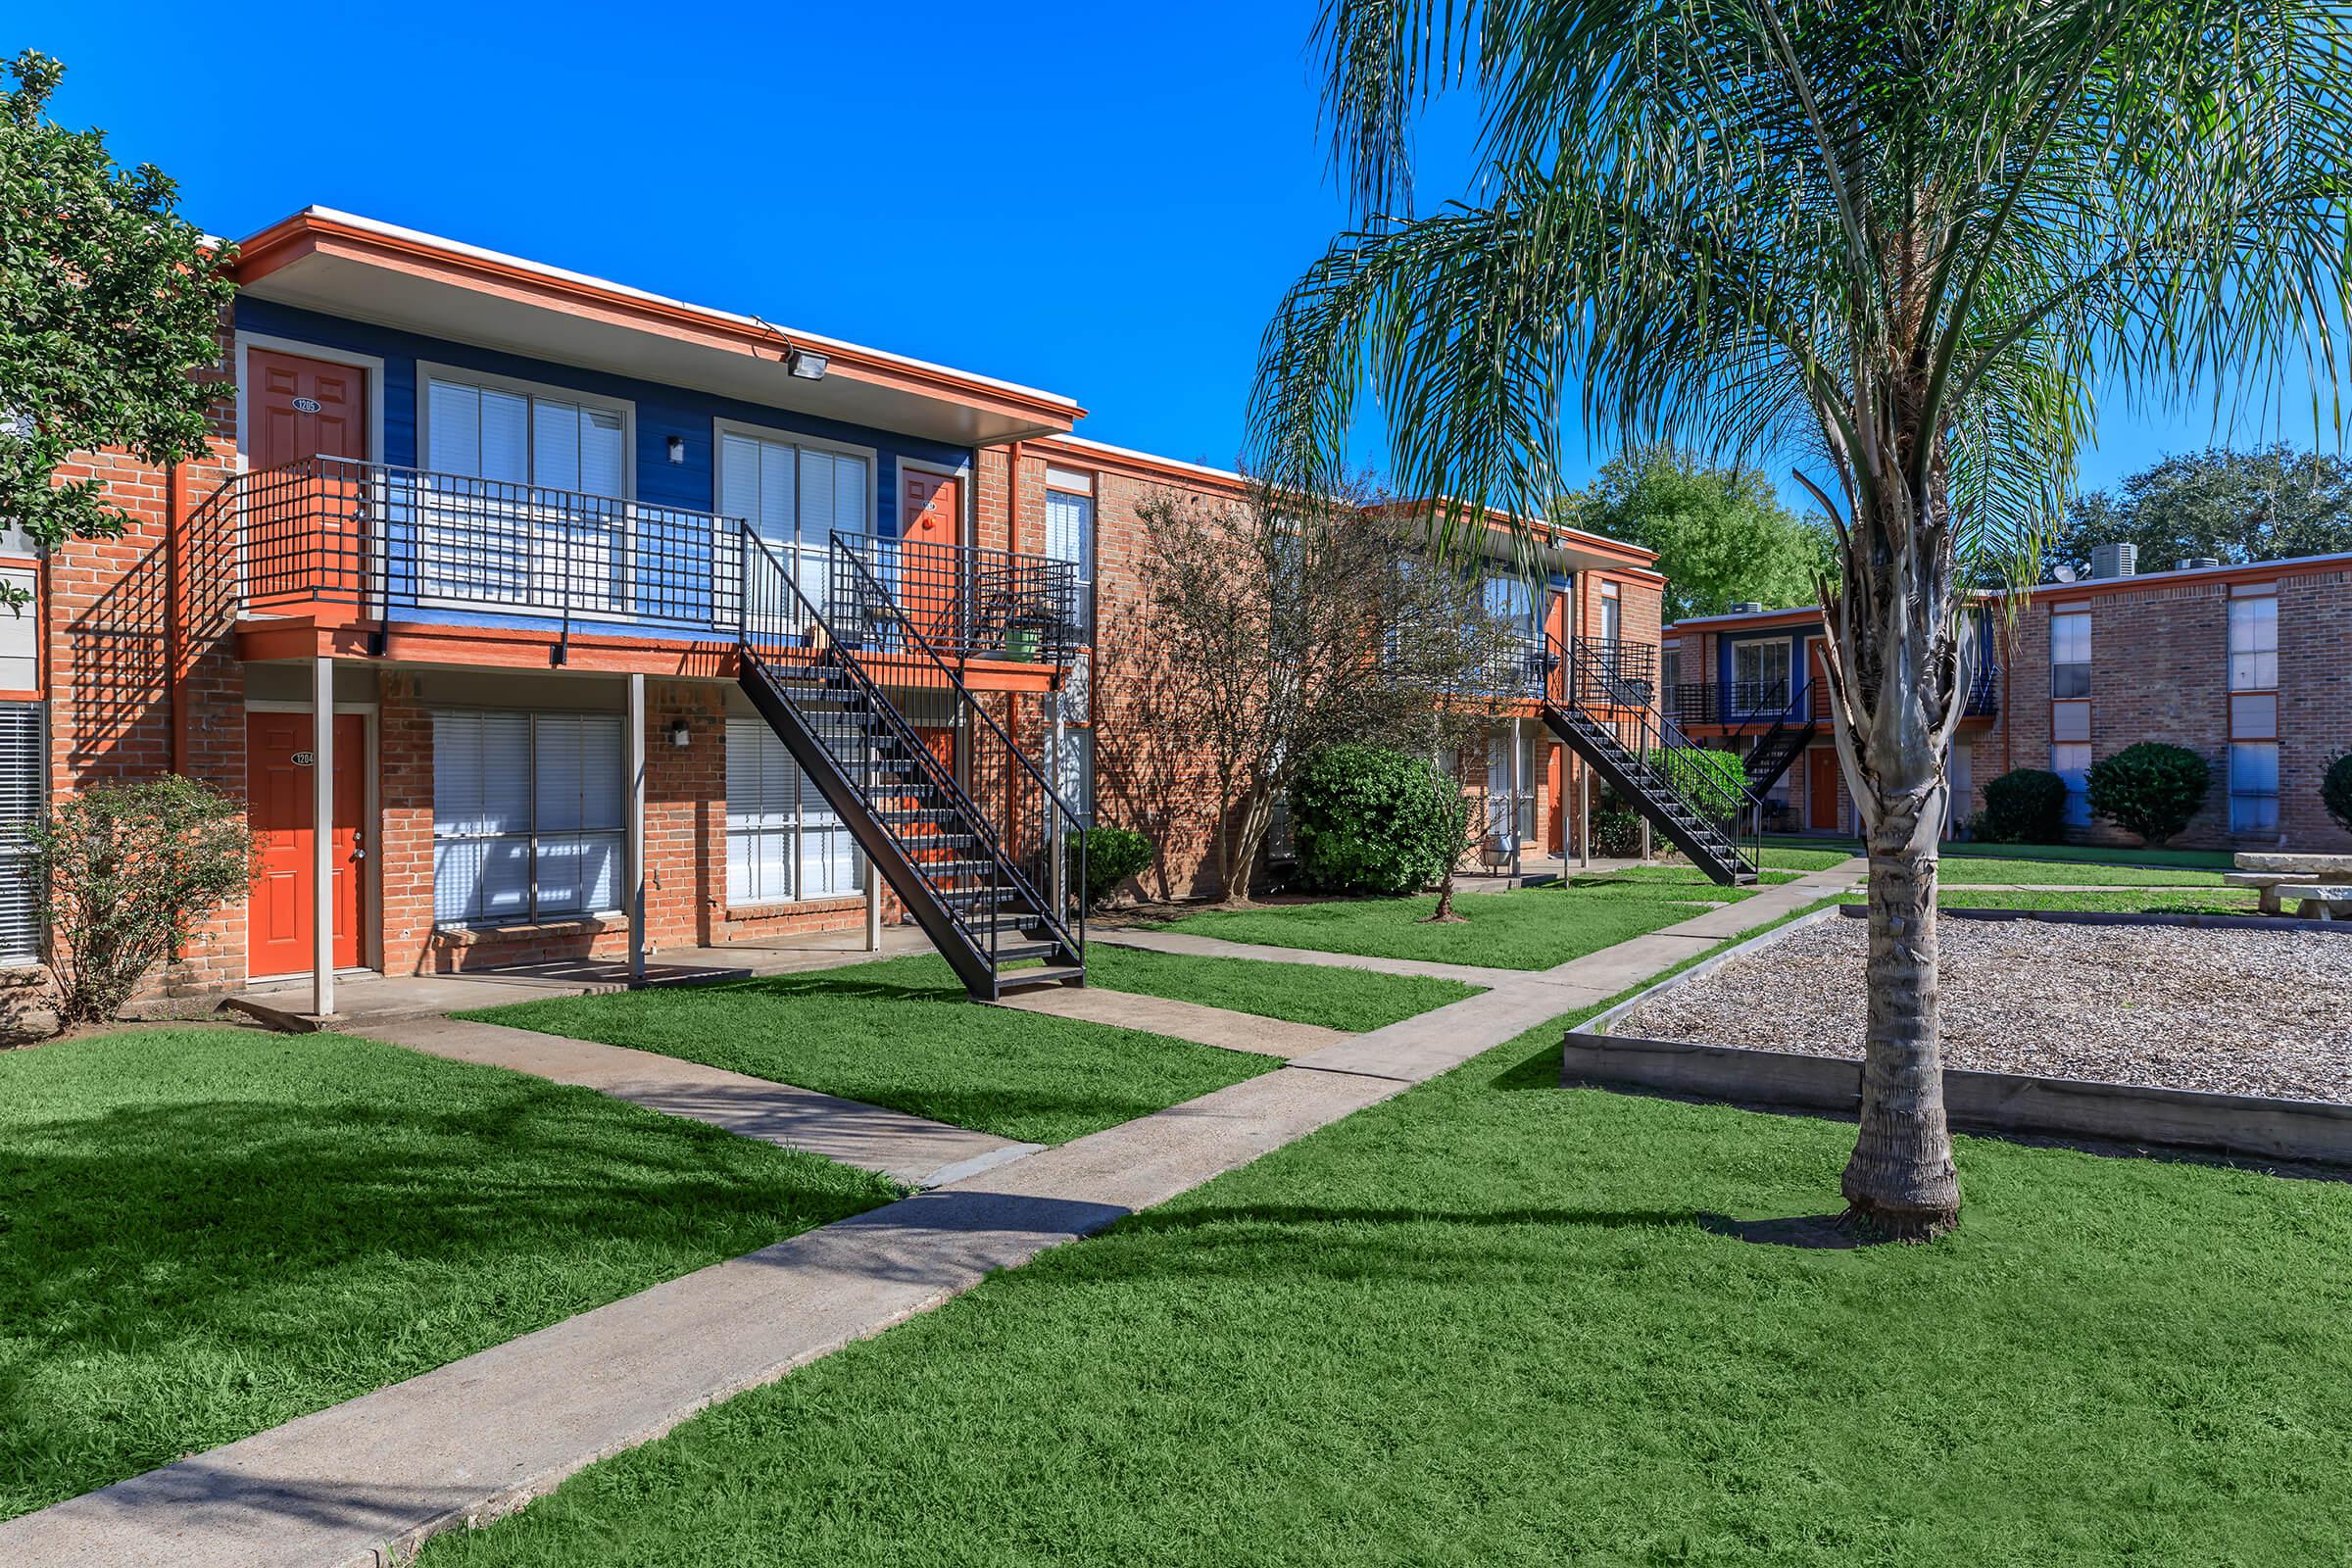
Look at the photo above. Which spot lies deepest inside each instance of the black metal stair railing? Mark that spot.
(1036, 831)
(1602, 702)
(915, 818)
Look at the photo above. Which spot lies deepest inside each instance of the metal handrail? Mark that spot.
(967, 703)
(1594, 665)
(837, 654)
(977, 599)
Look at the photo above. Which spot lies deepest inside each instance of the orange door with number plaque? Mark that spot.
(931, 509)
(278, 776)
(307, 536)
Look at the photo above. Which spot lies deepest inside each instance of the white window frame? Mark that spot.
(427, 372)
(2257, 654)
(798, 829)
(781, 436)
(1788, 662)
(533, 834)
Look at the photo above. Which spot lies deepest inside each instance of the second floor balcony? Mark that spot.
(1743, 706)
(370, 543)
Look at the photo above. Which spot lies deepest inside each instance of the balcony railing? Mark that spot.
(982, 604)
(1745, 705)
(386, 542)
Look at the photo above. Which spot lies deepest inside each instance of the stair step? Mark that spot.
(1023, 952)
(1024, 978)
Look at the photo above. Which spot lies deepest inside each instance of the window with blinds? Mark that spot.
(527, 504)
(784, 840)
(528, 816)
(1070, 537)
(24, 795)
(796, 497)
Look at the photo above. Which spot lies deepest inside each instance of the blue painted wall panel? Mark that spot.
(662, 412)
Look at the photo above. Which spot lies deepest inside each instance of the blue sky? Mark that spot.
(1104, 201)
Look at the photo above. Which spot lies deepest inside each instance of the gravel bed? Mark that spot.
(2229, 1012)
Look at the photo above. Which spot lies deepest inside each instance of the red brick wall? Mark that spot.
(132, 688)
(2160, 672)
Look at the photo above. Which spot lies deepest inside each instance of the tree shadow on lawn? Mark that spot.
(331, 1248)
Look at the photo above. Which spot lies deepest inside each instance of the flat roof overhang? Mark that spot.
(356, 268)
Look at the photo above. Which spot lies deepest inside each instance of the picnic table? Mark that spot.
(2318, 886)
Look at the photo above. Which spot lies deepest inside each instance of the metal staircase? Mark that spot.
(1600, 703)
(948, 810)
(1777, 749)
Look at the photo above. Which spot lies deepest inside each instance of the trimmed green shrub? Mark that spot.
(1711, 781)
(2149, 789)
(2335, 791)
(1113, 856)
(1368, 820)
(2024, 805)
(125, 871)
(1616, 826)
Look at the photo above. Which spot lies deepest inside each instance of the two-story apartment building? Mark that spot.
(539, 617)
(2250, 667)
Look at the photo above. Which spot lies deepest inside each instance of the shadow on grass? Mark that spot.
(120, 1224)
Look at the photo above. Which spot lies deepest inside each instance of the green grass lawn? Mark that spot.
(207, 1232)
(1353, 999)
(1496, 1322)
(2085, 854)
(1796, 859)
(2113, 901)
(1965, 866)
(901, 1033)
(1528, 928)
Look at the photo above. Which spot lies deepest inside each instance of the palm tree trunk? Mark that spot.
(1900, 1181)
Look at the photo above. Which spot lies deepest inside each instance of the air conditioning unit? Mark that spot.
(2198, 562)
(1748, 607)
(2114, 560)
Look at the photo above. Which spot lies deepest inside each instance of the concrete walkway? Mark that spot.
(907, 1149)
(1183, 1020)
(366, 1482)
(1218, 948)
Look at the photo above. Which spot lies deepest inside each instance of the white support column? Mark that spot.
(1583, 813)
(874, 909)
(322, 835)
(1057, 831)
(1511, 817)
(635, 726)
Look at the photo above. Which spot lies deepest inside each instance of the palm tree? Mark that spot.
(1901, 245)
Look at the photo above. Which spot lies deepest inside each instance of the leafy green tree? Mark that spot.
(1905, 243)
(109, 300)
(1722, 535)
(2233, 506)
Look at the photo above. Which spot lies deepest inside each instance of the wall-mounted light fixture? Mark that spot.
(677, 449)
(806, 366)
(680, 732)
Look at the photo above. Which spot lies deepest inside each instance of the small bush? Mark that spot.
(1713, 782)
(125, 871)
(1113, 856)
(2024, 805)
(2335, 791)
(1368, 820)
(1616, 825)
(2149, 789)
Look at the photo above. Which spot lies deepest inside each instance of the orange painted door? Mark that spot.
(1817, 691)
(1555, 784)
(277, 771)
(307, 540)
(930, 513)
(1820, 788)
